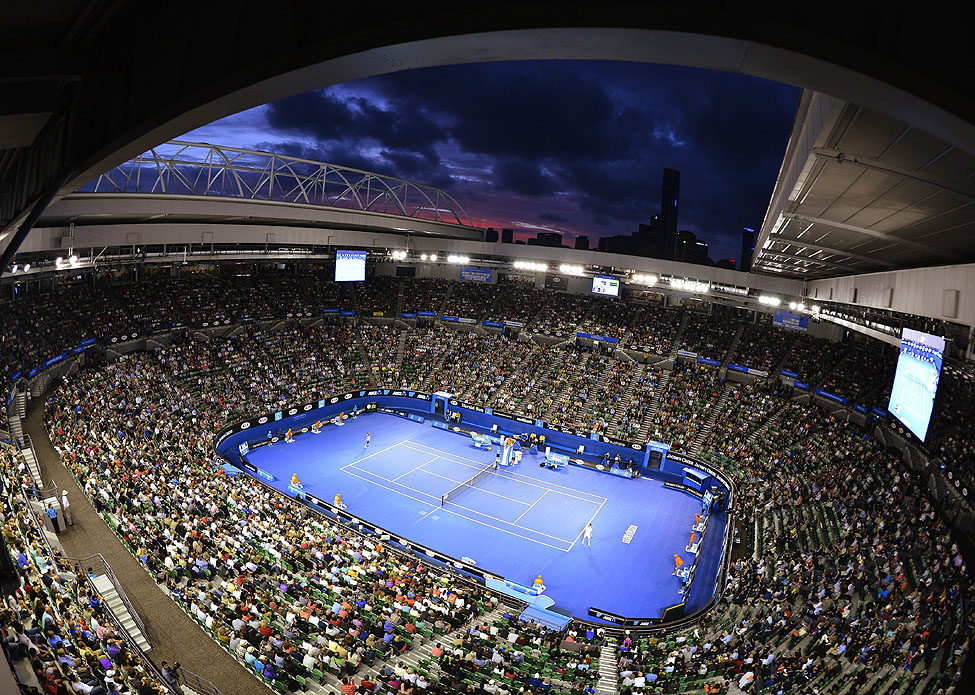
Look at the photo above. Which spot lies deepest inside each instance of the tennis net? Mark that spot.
(469, 483)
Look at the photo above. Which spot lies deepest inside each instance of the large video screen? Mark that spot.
(350, 266)
(916, 380)
(602, 284)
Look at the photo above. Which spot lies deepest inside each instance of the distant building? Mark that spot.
(582, 243)
(669, 195)
(727, 264)
(491, 235)
(690, 249)
(547, 239)
(507, 236)
(748, 237)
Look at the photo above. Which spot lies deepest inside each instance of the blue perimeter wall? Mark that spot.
(228, 440)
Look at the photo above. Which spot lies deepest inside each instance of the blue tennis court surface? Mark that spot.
(518, 521)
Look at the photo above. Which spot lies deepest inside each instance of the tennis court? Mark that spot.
(547, 513)
(516, 522)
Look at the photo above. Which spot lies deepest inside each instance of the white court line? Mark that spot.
(476, 511)
(530, 508)
(584, 528)
(374, 454)
(509, 475)
(480, 489)
(462, 516)
(413, 469)
(506, 471)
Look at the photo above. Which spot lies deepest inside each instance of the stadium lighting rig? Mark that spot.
(530, 265)
(768, 300)
(690, 285)
(398, 255)
(428, 257)
(641, 279)
(569, 269)
(453, 258)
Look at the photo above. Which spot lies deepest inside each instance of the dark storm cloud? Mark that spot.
(573, 144)
(550, 216)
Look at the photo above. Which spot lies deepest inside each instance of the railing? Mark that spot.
(55, 558)
(197, 169)
(196, 683)
(99, 565)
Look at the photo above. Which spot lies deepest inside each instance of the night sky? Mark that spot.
(576, 147)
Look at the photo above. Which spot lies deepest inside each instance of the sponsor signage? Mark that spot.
(757, 372)
(54, 360)
(426, 313)
(348, 313)
(709, 361)
(330, 311)
(791, 375)
(87, 341)
(515, 324)
(801, 385)
(831, 396)
(604, 338)
(472, 274)
(879, 411)
(466, 320)
(556, 282)
(409, 315)
(16, 375)
(860, 408)
(451, 319)
(686, 353)
(32, 372)
(738, 368)
(494, 324)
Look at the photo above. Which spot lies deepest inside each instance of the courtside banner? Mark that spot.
(451, 319)
(313, 405)
(709, 361)
(493, 324)
(791, 375)
(860, 408)
(426, 313)
(801, 385)
(738, 368)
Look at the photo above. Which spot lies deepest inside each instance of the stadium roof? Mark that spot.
(860, 191)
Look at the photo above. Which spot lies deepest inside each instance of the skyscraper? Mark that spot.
(748, 236)
(669, 194)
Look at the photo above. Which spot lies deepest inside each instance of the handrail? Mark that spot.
(99, 564)
(120, 630)
(196, 683)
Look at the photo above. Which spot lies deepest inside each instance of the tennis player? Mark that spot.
(368, 440)
(587, 534)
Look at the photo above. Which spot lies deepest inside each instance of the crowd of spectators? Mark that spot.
(854, 581)
(691, 392)
(290, 594)
(54, 622)
(563, 312)
(853, 573)
(711, 335)
(655, 328)
(425, 294)
(763, 346)
(864, 374)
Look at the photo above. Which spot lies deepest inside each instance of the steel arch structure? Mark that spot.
(197, 169)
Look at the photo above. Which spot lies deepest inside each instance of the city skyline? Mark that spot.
(574, 147)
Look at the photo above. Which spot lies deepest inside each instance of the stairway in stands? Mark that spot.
(399, 350)
(363, 353)
(608, 670)
(631, 388)
(713, 415)
(679, 336)
(443, 302)
(765, 425)
(418, 652)
(733, 348)
(655, 406)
